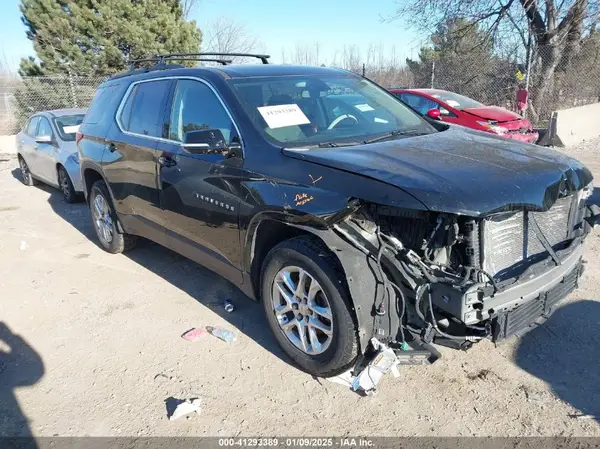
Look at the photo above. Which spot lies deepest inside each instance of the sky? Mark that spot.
(280, 25)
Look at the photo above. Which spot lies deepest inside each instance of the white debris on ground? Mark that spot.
(185, 408)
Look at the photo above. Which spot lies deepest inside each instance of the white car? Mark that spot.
(47, 151)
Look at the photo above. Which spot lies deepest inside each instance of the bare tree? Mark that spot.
(225, 35)
(556, 27)
(8, 84)
(307, 54)
(189, 6)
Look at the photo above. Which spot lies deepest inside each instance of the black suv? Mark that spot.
(354, 220)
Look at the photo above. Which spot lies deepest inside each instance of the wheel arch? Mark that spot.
(91, 174)
(360, 286)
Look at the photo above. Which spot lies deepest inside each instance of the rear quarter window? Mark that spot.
(103, 104)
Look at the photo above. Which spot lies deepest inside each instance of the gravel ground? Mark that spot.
(90, 345)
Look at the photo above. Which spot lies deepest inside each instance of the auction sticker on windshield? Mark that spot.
(70, 129)
(283, 115)
(364, 107)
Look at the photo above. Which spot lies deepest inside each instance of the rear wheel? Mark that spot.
(26, 176)
(307, 307)
(66, 186)
(105, 221)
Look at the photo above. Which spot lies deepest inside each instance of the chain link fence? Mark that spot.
(487, 78)
(22, 97)
(553, 81)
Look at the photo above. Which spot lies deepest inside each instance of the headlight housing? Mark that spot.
(493, 127)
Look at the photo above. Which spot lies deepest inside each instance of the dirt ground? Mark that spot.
(90, 346)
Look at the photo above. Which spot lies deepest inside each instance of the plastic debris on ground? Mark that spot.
(194, 334)
(176, 408)
(23, 246)
(221, 333)
(364, 379)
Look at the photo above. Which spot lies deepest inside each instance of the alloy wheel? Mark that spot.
(63, 180)
(24, 170)
(103, 219)
(302, 310)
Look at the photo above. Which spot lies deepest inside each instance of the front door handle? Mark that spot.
(112, 147)
(167, 161)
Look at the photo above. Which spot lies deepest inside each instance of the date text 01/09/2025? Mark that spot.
(296, 442)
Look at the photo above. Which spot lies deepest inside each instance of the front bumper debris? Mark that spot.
(380, 359)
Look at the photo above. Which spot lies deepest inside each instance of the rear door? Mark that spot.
(201, 187)
(46, 152)
(130, 161)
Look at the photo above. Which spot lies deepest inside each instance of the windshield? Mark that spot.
(456, 101)
(314, 110)
(67, 126)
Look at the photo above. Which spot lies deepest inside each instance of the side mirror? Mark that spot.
(434, 114)
(43, 139)
(209, 141)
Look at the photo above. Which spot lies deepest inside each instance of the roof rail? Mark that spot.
(161, 59)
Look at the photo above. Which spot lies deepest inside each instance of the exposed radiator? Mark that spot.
(509, 238)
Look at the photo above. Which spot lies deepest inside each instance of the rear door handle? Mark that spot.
(112, 147)
(167, 161)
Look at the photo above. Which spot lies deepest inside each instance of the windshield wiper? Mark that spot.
(336, 145)
(411, 132)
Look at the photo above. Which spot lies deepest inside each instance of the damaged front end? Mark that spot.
(454, 280)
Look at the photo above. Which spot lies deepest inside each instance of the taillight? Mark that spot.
(78, 136)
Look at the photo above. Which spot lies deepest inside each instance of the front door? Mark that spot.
(130, 159)
(200, 189)
(46, 153)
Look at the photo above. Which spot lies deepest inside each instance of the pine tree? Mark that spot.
(99, 37)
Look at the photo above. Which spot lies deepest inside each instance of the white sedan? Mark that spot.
(47, 151)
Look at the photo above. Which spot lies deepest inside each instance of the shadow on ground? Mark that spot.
(201, 284)
(20, 366)
(565, 353)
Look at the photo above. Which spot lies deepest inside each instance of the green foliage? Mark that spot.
(99, 37)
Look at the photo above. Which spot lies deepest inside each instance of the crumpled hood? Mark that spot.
(462, 171)
(494, 113)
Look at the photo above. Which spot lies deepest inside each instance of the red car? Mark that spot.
(461, 110)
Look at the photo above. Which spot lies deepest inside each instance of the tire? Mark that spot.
(329, 357)
(26, 176)
(105, 220)
(66, 186)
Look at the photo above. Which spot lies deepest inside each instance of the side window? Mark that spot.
(125, 117)
(102, 104)
(144, 109)
(196, 107)
(44, 129)
(419, 103)
(31, 127)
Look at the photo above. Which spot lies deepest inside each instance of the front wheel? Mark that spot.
(105, 221)
(307, 307)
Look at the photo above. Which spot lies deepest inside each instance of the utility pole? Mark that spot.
(432, 72)
(72, 87)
